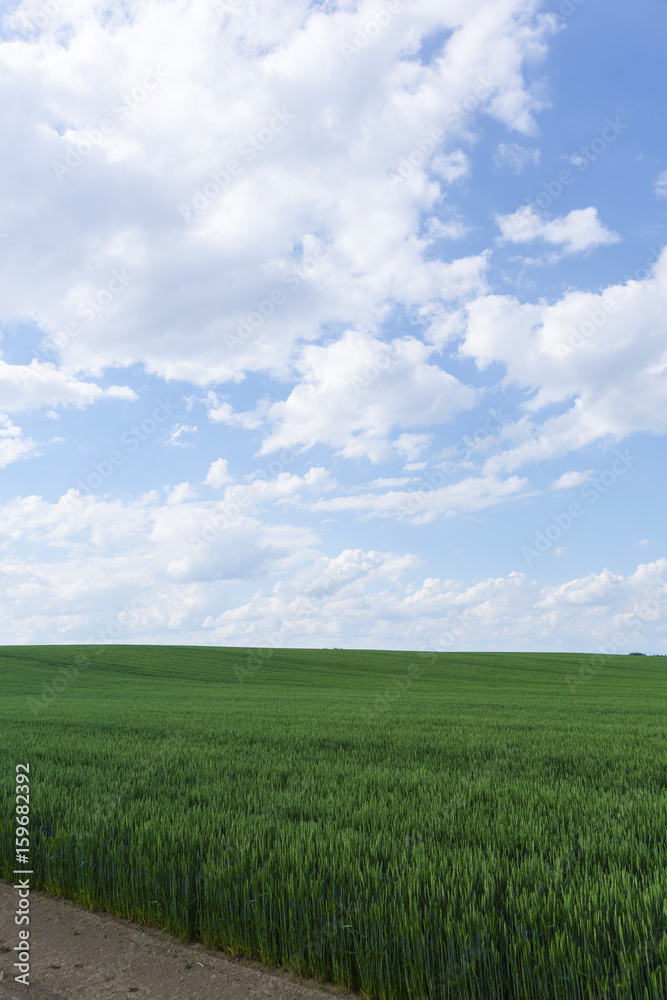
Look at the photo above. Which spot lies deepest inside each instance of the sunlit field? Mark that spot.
(416, 826)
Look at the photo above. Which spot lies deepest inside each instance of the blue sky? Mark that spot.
(334, 324)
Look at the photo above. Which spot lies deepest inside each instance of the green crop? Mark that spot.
(473, 827)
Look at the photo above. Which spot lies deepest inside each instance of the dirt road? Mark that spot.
(88, 956)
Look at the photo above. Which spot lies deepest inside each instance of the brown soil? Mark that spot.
(85, 955)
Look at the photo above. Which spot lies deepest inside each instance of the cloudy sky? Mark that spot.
(334, 323)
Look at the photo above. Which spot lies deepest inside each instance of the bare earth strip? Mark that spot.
(113, 957)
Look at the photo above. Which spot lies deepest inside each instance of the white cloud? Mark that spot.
(600, 357)
(412, 445)
(223, 413)
(451, 166)
(36, 386)
(136, 552)
(575, 232)
(321, 175)
(660, 186)
(428, 501)
(285, 487)
(218, 474)
(614, 591)
(181, 493)
(643, 541)
(129, 572)
(13, 445)
(354, 392)
(132, 254)
(176, 433)
(359, 598)
(515, 156)
(569, 480)
(461, 279)
(450, 229)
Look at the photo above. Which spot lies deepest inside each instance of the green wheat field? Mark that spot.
(415, 826)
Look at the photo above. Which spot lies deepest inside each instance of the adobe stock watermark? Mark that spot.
(257, 657)
(385, 700)
(454, 118)
(386, 356)
(306, 604)
(458, 112)
(591, 491)
(88, 309)
(371, 30)
(451, 635)
(567, 8)
(581, 158)
(87, 140)
(130, 441)
(227, 512)
(382, 362)
(265, 308)
(249, 149)
(474, 441)
(38, 19)
(463, 450)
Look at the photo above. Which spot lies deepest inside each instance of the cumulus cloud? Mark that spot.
(643, 591)
(284, 488)
(181, 176)
(222, 412)
(40, 385)
(140, 553)
(354, 392)
(214, 200)
(575, 232)
(599, 356)
(412, 445)
(162, 564)
(218, 474)
(356, 598)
